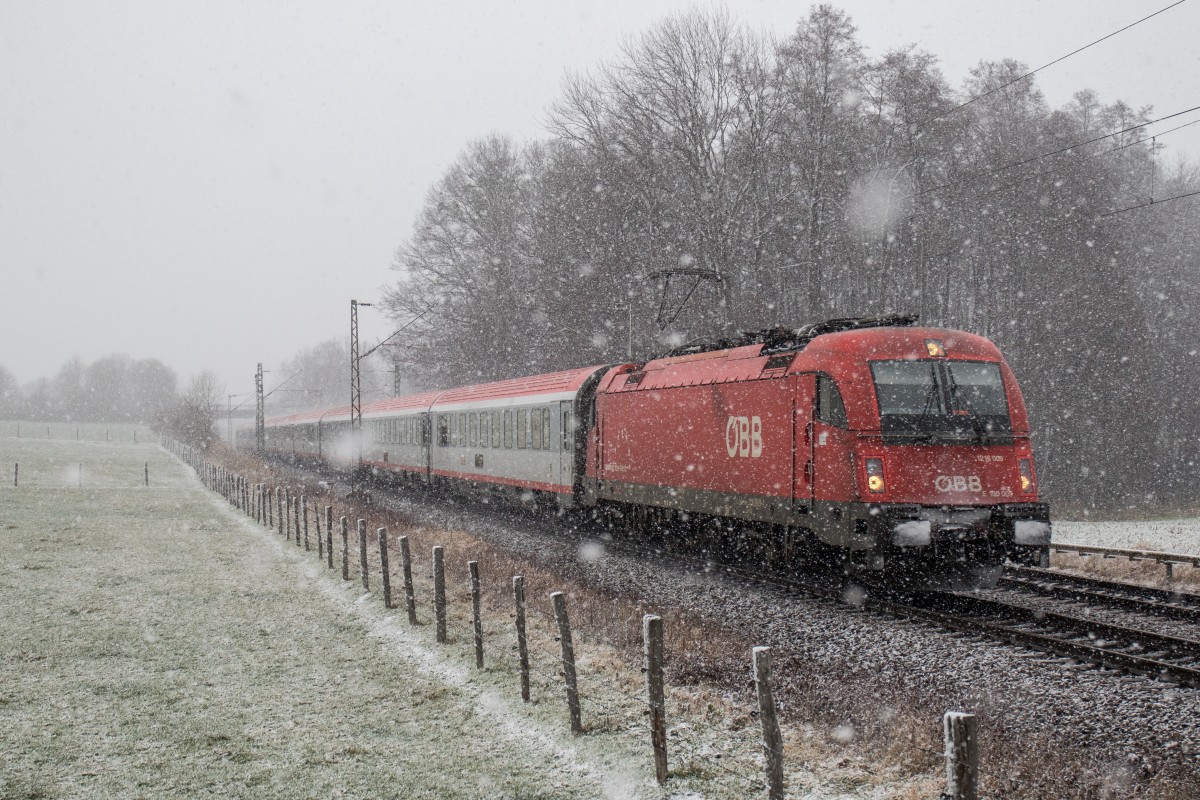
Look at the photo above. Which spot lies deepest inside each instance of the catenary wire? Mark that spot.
(1052, 63)
(1059, 151)
(1068, 223)
(1043, 173)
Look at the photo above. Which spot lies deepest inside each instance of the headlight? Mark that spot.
(875, 482)
(1026, 468)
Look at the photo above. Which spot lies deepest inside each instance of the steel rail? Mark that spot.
(1147, 600)
(1126, 649)
(1168, 560)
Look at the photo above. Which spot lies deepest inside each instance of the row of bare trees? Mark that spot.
(817, 182)
(118, 389)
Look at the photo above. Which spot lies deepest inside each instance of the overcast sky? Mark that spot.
(211, 183)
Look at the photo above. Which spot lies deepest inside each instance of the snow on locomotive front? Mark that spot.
(899, 447)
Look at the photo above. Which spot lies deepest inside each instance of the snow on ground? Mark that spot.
(155, 644)
(1167, 535)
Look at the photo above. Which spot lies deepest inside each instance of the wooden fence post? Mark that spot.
(345, 551)
(772, 741)
(80, 466)
(147, 473)
(522, 640)
(320, 537)
(296, 517)
(304, 509)
(476, 612)
(568, 660)
(329, 534)
(410, 597)
(652, 644)
(362, 554)
(962, 756)
(439, 594)
(381, 534)
(285, 518)
(272, 498)
(16, 472)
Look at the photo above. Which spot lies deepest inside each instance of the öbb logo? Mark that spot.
(743, 437)
(958, 483)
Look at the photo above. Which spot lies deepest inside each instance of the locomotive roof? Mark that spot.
(823, 351)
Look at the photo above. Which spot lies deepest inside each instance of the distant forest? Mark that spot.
(112, 389)
(117, 389)
(817, 182)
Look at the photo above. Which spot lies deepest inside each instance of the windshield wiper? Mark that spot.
(963, 403)
(931, 397)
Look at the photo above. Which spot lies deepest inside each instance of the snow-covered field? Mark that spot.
(1168, 535)
(157, 644)
(76, 431)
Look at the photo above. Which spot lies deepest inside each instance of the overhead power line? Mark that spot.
(1055, 61)
(1059, 151)
(1043, 173)
(1068, 224)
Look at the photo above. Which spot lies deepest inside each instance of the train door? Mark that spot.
(425, 437)
(566, 450)
(802, 433)
(833, 484)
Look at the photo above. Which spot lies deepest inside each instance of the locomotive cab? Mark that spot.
(932, 436)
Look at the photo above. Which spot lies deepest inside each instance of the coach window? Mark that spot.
(474, 429)
(522, 426)
(536, 428)
(508, 426)
(496, 429)
(443, 430)
(830, 408)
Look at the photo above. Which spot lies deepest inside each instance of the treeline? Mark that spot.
(113, 389)
(117, 389)
(319, 377)
(817, 182)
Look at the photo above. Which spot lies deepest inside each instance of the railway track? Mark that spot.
(1173, 660)
(1167, 658)
(1147, 600)
(1128, 650)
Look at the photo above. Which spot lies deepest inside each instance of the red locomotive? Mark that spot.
(888, 445)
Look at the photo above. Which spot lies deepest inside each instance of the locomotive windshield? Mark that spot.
(951, 402)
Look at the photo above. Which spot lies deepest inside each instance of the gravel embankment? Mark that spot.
(1121, 725)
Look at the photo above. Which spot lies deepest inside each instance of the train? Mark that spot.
(887, 446)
